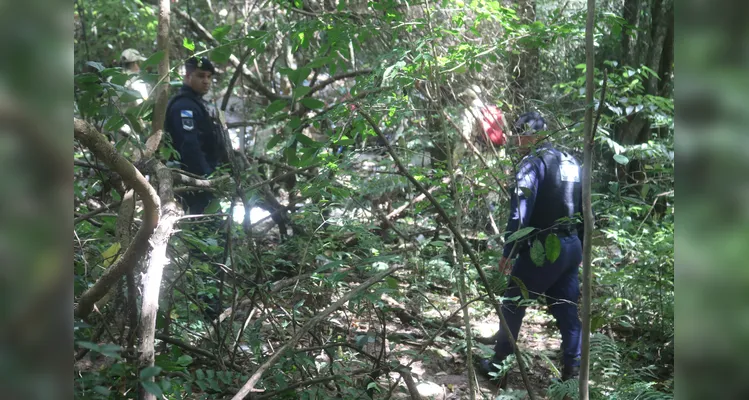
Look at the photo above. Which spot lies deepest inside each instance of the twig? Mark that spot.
(96, 212)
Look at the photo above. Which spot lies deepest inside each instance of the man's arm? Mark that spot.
(522, 201)
(183, 116)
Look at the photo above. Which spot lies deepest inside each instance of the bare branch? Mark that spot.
(100, 146)
(336, 78)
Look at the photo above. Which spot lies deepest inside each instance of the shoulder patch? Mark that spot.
(185, 113)
(569, 172)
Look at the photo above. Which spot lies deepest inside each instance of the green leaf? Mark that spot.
(149, 372)
(274, 141)
(300, 91)
(114, 123)
(330, 265)
(295, 122)
(184, 360)
(153, 60)
(299, 75)
(312, 103)
(188, 44)
(276, 106)
(553, 247)
(95, 65)
(221, 32)
(290, 154)
(221, 55)
(537, 253)
(621, 159)
(102, 390)
(200, 374)
(520, 234)
(306, 141)
(212, 207)
(391, 282)
(89, 345)
(152, 388)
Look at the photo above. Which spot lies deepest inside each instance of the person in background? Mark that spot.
(130, 60)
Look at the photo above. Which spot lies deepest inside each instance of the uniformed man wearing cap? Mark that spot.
(548, 198)
(195, 133)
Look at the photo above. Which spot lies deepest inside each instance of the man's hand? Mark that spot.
(505, 266)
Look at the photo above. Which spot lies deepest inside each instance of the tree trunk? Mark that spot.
(587, 209)
(631, 14)
(170, 213)
(660, 31)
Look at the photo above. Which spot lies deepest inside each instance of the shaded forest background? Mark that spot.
(293, 78)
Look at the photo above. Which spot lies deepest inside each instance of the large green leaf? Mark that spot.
(621, 159)
(276, 106)
(312, 103)
(153, 60)
(553, 247)
(537, 253)
(221, 32)
(188, 44)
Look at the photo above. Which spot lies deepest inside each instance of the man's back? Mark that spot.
(559, 193)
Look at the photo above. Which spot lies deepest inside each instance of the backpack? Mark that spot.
(491, 123)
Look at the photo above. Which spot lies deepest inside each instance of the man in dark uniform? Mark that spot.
(195, 132)
(196, 136)
(548, 197)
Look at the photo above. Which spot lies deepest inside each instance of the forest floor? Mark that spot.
(443, 373)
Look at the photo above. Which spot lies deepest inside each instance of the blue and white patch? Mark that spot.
(569, 172)
(187, 122)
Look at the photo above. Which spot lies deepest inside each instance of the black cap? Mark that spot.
(203, 63)
(530, 123)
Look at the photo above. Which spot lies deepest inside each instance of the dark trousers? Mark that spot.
(559, 282)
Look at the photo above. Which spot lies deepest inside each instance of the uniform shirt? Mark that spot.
(530, 176)
(192, 131)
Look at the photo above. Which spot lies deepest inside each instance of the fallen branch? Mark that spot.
(100, 146)
(249, 386)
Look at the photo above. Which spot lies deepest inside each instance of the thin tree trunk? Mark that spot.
(170, 213)
(587, 210)
(157, 260)
(660, 31)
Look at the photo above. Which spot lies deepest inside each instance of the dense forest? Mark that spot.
(352, 243)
